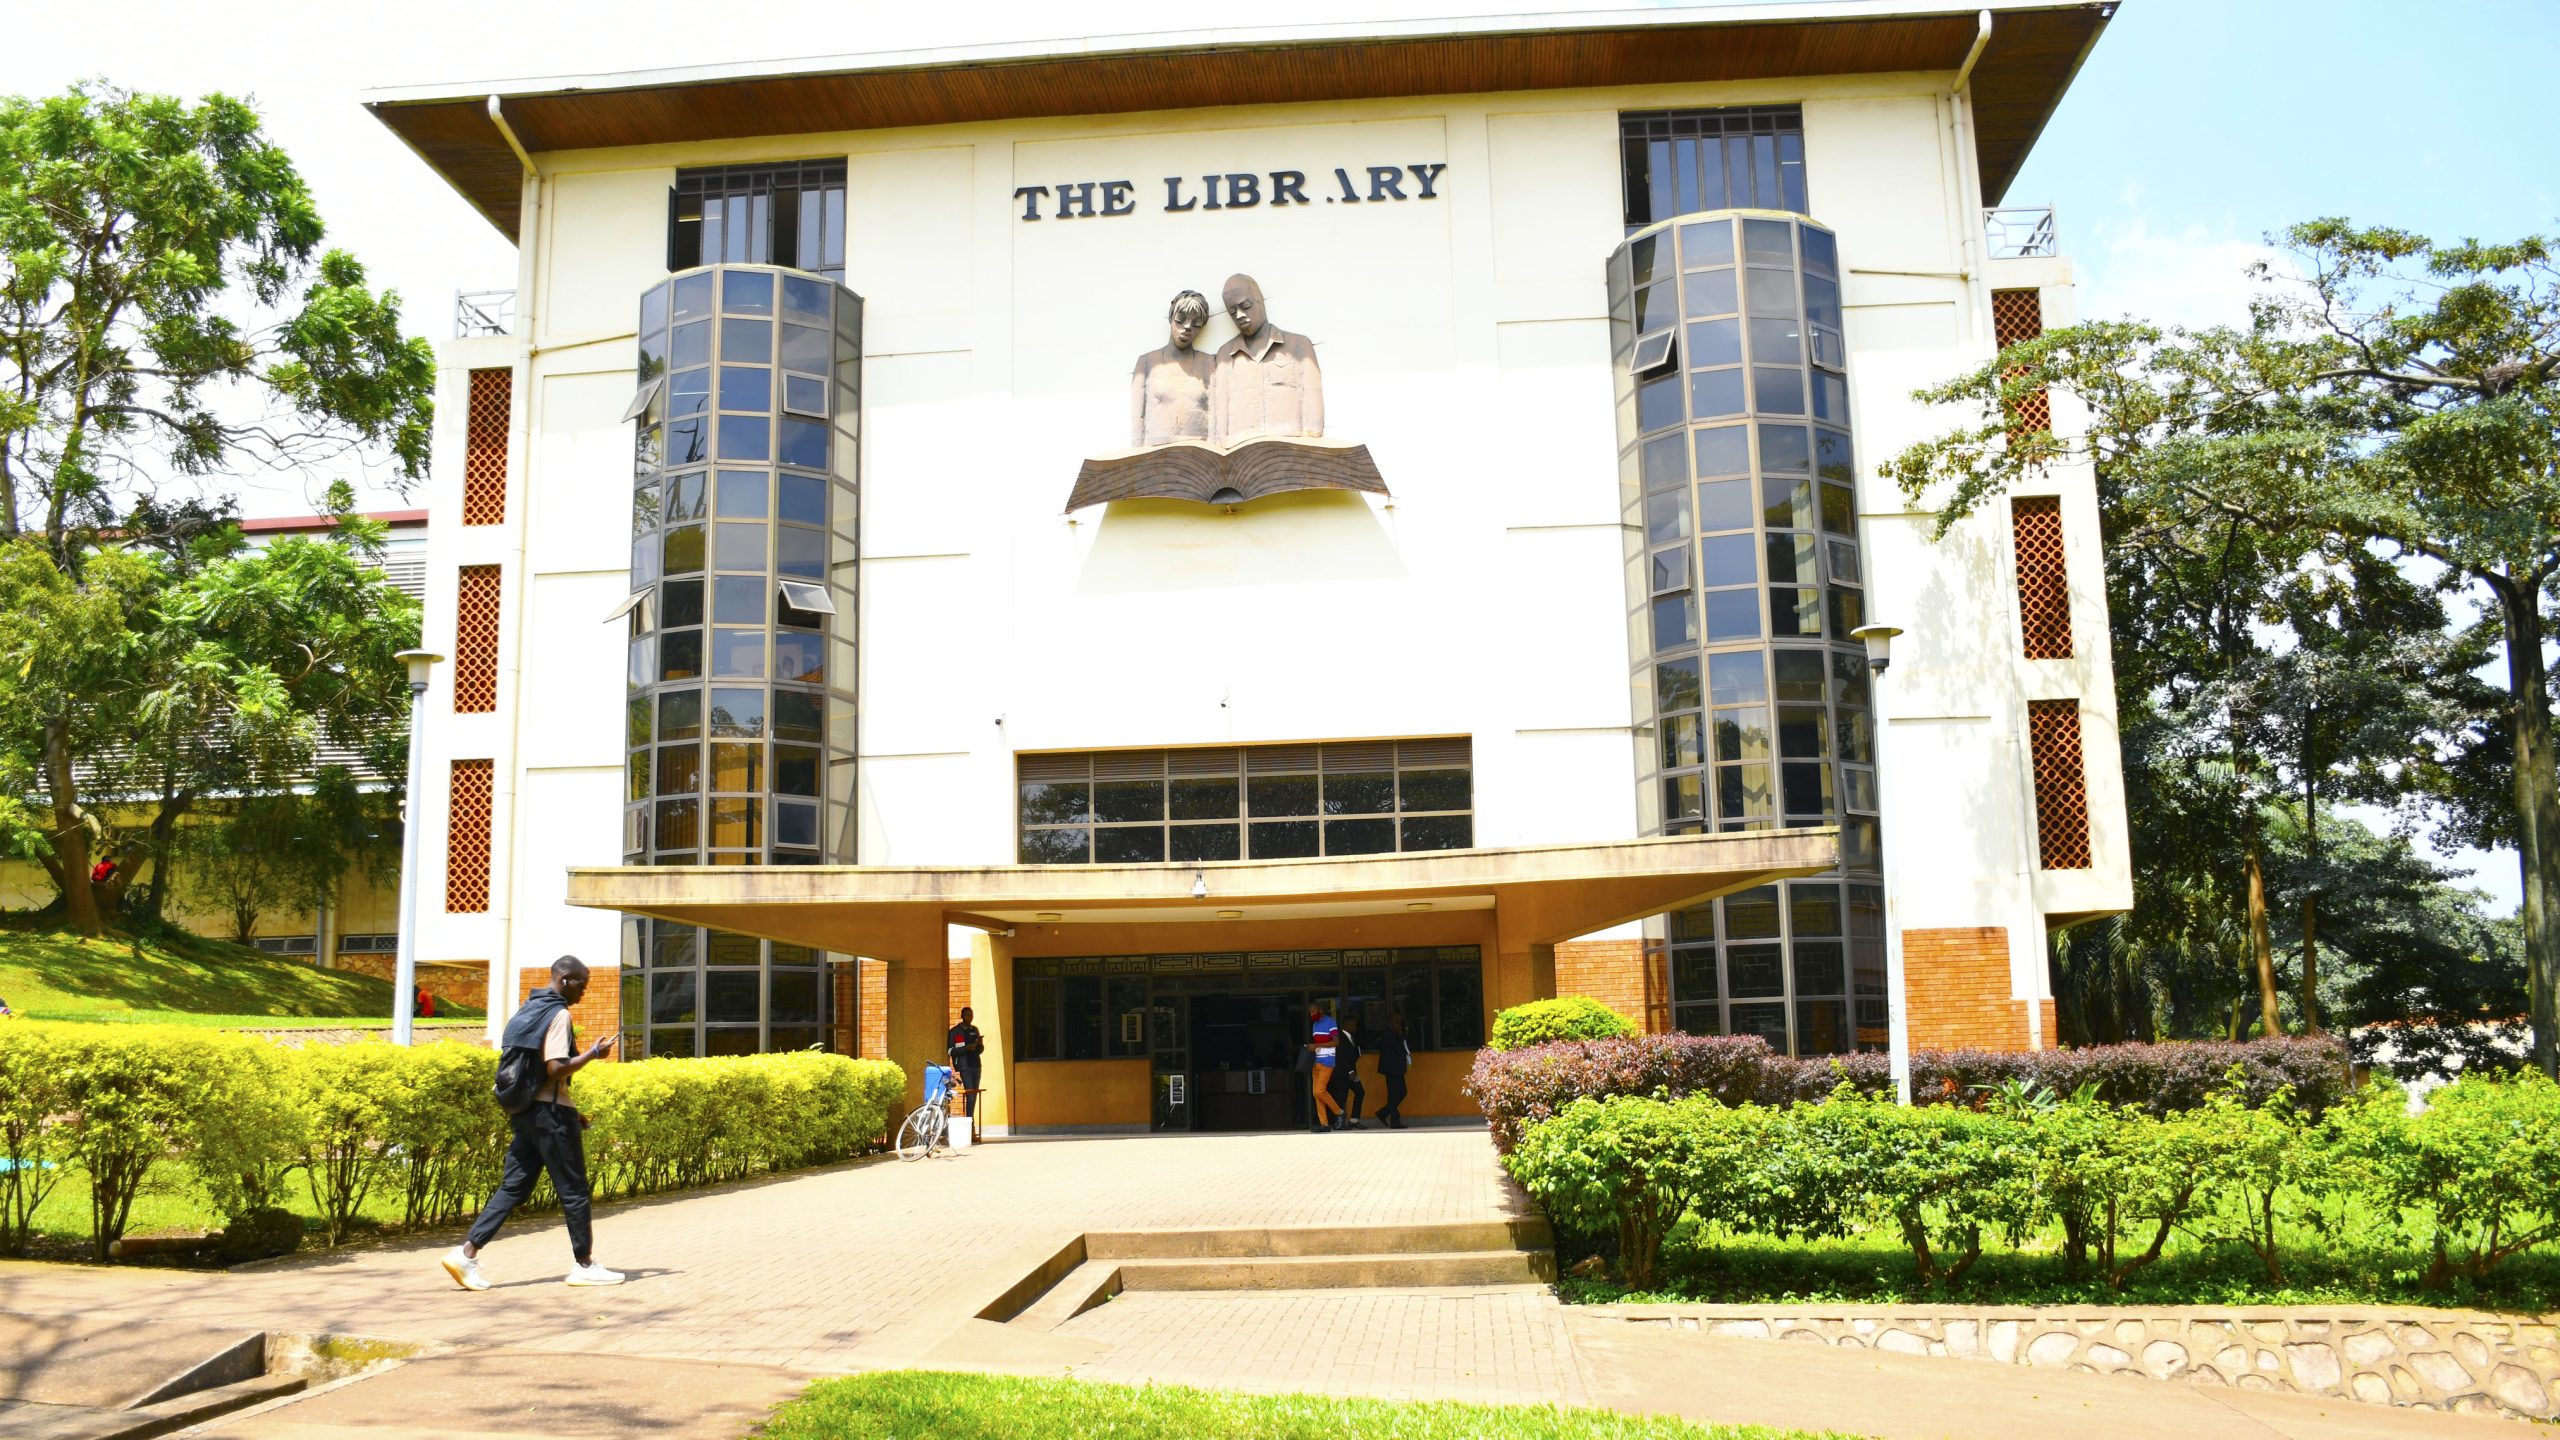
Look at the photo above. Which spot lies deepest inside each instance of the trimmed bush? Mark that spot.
(1518, 1088)
(118, 1102)
(2478, 1172)
(260, 1235)
(1571, 1017)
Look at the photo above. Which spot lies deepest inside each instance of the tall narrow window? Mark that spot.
(2018, 315)
(790, 215)
(466, 846)
(2044, 586)
(484, 448)
(1680, 162)
(475, 641)
(2062, 785)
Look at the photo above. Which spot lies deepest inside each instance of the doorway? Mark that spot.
(1244, 1052)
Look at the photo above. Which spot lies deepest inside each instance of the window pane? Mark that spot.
(671, 996)
(680, 655)
(1724, 504)
(1206, 842)
(795, 769)
(1283, 840)
(737, 653)
(1203, 799)
(1359, 837)
(1436, 789)
(804, 443)
(799, 656)
(1737, 678)
(1714, 394)
(681, 550)
(747, 341)
(1708, 294)
(679, 769)
(679, 824)
(1281, 795)
(746, 387)
(1675, 684)
(1755, 970)
(1813, 910)
(803, 498)
(1680, 742)
(1723, 451)
(1733, 615)
(737, 767)
(1461, 996)
(1822, 1027)
(746, 437)
(737, 713)
(1360, 794)
(1067, 846)
(1128, 845)
(1693, 972)
(797, 716)
(1056, 804)
(1742, 734)
(1439, 832)
(1128, 800)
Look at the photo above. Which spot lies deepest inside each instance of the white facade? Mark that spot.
(1464, 338)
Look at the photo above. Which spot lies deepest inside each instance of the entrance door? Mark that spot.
(1244, 1051)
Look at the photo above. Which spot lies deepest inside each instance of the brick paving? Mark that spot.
(802, 1270)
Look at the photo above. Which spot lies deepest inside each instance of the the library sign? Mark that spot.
(1238, 190)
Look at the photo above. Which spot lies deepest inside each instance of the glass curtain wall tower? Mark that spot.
(740, 714)
(1753, 707)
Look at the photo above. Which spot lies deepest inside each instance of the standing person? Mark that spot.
(1321, 1044)
(549, 1133)
(1395, 1056)
(1348, 1092)
(968, 1047)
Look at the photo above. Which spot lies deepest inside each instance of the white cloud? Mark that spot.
(2196, 276)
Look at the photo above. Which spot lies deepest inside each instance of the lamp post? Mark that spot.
(1897, 1020)
(404, 977)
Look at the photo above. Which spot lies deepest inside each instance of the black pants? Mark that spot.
(1347, 1090)
(1394, 1108)
(967, 1070)
(548, 1137)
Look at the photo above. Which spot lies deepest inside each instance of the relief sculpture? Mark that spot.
(1222, 430)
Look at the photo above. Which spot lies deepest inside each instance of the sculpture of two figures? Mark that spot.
(1228, 428)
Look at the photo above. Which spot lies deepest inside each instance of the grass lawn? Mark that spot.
(50, 974)
(2351, 1256)
(911, 1403)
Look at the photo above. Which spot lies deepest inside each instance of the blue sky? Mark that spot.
(2199, 127)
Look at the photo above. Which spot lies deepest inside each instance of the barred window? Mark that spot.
(1680, 162)
(790, 215)
(1260, 802)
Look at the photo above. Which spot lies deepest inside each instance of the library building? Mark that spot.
(1140, 536)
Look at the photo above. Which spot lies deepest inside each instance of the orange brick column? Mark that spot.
(594, 1017)
(1614, 973)
(1958, 984)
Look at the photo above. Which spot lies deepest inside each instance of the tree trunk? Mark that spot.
(2311, 907)
(2537, 801)
(2259, 948)
(164, 834)
(70, 831)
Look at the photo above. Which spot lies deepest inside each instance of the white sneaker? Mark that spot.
(592, 1273)
(464, 1270)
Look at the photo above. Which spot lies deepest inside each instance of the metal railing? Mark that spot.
(2016, 232)
(483, 312)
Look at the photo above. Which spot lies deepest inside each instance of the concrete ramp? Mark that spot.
(116, 1365)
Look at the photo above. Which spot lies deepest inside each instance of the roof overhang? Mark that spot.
(1538, 895)
(2036, 46)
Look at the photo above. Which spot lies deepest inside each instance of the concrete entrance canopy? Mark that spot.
(1539, 895)
(1514, 904)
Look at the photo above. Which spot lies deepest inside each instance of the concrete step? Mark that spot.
(1311, 1240)
(1329, 1272)
(1079, 1290)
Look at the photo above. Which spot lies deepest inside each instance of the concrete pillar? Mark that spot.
(1522, 975)
(919, 1011)
(991, 996)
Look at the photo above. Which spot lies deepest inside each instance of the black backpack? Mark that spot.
(521, 1071)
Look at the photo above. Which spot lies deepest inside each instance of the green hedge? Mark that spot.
(248, 1117)
(1571, 1017)
(2473, 1179)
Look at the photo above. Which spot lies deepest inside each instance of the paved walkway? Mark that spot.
(738, 1295)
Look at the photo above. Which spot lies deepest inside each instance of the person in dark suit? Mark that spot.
(1395, 1056)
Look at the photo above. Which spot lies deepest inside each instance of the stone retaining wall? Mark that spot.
(2434, 1359)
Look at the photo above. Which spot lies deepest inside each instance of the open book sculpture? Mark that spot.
(1244, 424)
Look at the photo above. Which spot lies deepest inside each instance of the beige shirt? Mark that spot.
(1268, 385)
(1169, 396)
(555, 1046)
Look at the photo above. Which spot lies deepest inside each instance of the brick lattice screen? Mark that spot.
(2044, 585)
(484, 451)
(2062, 786)
(2019, 315)
(466, 845)
(475, 641)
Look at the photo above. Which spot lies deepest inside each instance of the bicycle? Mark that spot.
(927, 1127)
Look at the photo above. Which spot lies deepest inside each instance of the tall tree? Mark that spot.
(138, 235)
(2396, 406)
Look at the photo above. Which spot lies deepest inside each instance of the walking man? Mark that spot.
(1395, 1056)
(549, 1133)
(1321, 1037)
(968, 1046)
(1348, 1093)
